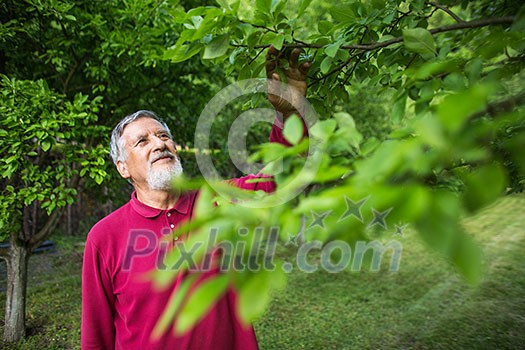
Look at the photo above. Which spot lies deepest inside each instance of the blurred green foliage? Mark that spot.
(434, 87)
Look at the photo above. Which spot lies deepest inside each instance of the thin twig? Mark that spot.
(447, 10)
(294, 39)
(254, 58)
(349, 74)
(357, 61)
(337, 69)
(261, 27)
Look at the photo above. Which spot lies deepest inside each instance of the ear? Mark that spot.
(122, 168)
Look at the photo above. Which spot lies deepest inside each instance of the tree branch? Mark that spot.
(69, 76)
(474, 24)
(447, 10)
(496, 108)
(377, 45)
(44, 231)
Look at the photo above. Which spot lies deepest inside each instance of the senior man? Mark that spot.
(119, 309)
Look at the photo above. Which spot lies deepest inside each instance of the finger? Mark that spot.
(294, 58)
(304, 68)
(270, 68)
(271, 60)
(272, 51)
(276, 76)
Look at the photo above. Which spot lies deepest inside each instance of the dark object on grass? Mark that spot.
(46, 246)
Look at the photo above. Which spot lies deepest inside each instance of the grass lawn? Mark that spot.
(425, 305)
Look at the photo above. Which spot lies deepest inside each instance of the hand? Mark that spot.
(287, 96)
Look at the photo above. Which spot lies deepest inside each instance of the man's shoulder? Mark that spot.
(111, 223)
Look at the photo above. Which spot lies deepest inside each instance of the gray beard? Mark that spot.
(160, 179)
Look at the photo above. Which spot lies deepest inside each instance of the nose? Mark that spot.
(158, 144)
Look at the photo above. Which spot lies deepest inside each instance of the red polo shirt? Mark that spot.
(120, 310)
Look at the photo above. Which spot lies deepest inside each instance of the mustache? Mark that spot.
(163, 154)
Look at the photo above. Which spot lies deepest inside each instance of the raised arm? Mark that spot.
(286, 88)
(286, 78)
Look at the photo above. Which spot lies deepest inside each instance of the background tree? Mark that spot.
(43, 137)
(70, 69)
(109, 49)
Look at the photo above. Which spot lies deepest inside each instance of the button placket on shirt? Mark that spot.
(171, 222)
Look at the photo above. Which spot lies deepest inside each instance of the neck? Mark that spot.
(160, 199)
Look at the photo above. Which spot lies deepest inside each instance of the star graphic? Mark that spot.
(292, 240)
(318, 219)
(400, 230)
(353, 208)
(379, 218)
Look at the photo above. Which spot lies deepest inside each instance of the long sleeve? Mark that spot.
(98, 330)
(276, 135)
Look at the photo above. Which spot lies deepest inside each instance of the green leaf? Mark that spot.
(278, 42)
(483, 186)
(174, 304)
(467, 258)
(224, 4)
(323, 129)
(439, 227)
(254, 295)
(326, 64)
(455, 109)
(332, 173)
(519, 21)
(200, 301)
(277, 7)
(343, 13)
(293, 129)
(264, 6)
(324, 27)
(398, 108)
(370, 145)
(45, 146)
(204, 204)
(331, 50)
(180, 53)
(421, 41)
(303, 6)
(344, 120)
(217, 47)
(269, 152)
(474, 69)
(438, 224)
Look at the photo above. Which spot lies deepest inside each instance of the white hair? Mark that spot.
(117, 150)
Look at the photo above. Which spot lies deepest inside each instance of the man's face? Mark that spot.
(151, 155)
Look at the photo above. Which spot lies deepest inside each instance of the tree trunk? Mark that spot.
(15, 308)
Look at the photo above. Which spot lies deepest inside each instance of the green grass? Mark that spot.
(425, 305)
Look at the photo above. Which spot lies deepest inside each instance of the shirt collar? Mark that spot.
(182, 206)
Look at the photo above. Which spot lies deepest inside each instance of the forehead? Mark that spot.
(142, 127)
